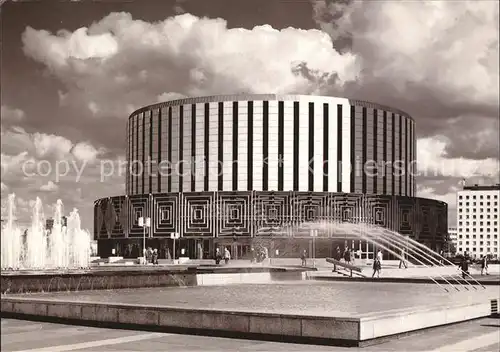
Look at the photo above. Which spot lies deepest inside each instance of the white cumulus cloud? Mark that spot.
(51, 145)
(434, 161)
(450, 47)
(85, 151)
(120, 59)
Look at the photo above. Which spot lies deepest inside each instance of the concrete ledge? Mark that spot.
(228, 279)
(373, 327)
(52, 281)
(343, 331)
(409, 280)
(299, 328)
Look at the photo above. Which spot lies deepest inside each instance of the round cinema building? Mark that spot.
(241, 170)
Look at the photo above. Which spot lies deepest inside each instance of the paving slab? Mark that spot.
(22, 335)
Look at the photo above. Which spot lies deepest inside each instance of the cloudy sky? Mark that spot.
(72, 71)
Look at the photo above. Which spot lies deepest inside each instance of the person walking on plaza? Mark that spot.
(227, 255)
(347, 256)
(337, 256)
(218, 256)
(353, 256)
(377, 267)
(253, 256)
(464, 267)
(303, 257)
(484, 264)
(155, 256)
(402, 261)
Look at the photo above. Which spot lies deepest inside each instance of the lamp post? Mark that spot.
(314, 234)
(144, 222)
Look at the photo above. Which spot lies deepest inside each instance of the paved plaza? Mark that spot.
(17, 335)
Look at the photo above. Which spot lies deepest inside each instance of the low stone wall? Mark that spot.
(214, 279)
(103, 281)
(346, 331)
(343, 331)
(121, 279)
(377, 326)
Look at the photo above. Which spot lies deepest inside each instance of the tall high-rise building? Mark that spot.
(478, 220)
(453, 238)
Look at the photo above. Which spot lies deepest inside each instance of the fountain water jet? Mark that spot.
(376, 240)
(11, 238)
(380, 236)
(64, 247)
(419, 245)
(36, 239)
(356, 230)
(59, 239)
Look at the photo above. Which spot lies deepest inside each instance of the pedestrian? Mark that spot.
(484, 264)
(303, 257)
(347, 256)
(155, 256)
(380, 256)
(377, 267)
(227, 255)
(337, 256)
(218, 256)
(402, 261)
(149, 255)
(253, 257)
(464, 267)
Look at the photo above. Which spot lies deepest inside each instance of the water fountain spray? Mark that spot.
(63, 247)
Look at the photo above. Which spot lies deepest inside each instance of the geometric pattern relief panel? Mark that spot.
(377, 211)
(263, 213)
(138, 206)
(345, 207)
(119, 217)
(109, 216)
(426, 219)
(308, 207)
(234, 213)
(96, 220)
(271, 212)
(198, 214)
(406, 218)
(166, 214)
(100, 211)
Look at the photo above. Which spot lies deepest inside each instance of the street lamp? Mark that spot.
(314, 234)
(144, 222)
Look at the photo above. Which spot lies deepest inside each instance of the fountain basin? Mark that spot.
(353, 314)
(28, 281)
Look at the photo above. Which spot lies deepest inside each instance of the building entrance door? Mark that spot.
(240, 251)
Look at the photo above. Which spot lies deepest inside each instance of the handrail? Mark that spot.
(350, 267)
(344, 265)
